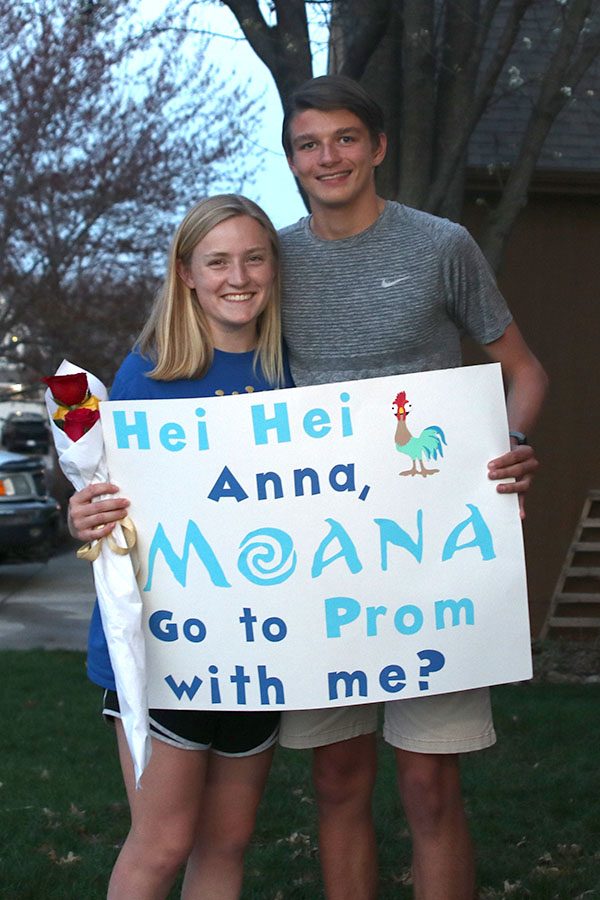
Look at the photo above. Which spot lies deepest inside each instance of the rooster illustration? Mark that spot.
(429, 443)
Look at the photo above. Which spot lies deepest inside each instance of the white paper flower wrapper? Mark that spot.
(83, 462)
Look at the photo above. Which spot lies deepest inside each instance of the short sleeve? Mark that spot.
(474, 301)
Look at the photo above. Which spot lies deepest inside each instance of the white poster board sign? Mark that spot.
(326, 545)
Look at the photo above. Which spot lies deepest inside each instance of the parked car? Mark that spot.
(30, 519)
(26, 432)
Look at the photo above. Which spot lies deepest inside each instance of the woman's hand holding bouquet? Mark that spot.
(76, 413)
(91, 519)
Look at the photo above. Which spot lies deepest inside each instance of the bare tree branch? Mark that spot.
(101, 151)
(455, 148)
(555, 93)
(284, 47)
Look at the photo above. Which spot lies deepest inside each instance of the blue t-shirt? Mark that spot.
(230, 373)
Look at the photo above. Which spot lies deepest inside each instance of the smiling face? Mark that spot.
(334, 158)
(232, 272)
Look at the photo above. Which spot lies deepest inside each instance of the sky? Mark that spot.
(274, 188)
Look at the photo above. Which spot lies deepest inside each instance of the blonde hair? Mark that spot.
(177, 336)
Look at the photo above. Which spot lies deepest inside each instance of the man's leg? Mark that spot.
(428, 734)
(344, 768)
(443, 865)
(344, 777)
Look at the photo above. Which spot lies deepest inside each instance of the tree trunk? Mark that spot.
(382, 81)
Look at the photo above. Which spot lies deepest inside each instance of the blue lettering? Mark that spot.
(347, 550)
(172, 436)
(159, 628)
(391, 533)
(392, 679)
(300, 475)
(215, 690)
(346, 420)
(139, 430)
(265, 478)
(316, 423)
(373, 613)
(248, 621)
(348, 483)
(178, 564)
(202, 431)
(265, 683)
(267, 557)
(482, 536)
(227, 485)
(190, 690)
(348, 679)
(279, 422)
(194, 630)
(339, 611)
(456, 607)
(274, 629)
(240, 679)
(417, 619)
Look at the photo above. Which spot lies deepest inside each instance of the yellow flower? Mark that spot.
(91, 402)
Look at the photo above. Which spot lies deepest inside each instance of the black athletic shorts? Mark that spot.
(226, 733)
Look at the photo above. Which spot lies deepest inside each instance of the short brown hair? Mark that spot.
(329, 92)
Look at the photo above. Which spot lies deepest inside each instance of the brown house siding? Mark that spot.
(551, 279)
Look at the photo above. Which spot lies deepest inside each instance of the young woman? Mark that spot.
(214, 329)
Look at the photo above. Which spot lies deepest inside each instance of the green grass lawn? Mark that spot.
(533, 800)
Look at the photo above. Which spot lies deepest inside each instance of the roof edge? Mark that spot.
(544, 181)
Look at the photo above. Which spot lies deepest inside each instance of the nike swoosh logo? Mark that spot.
(387, 282)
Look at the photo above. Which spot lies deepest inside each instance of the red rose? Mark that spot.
(68, 390)
(79, 421)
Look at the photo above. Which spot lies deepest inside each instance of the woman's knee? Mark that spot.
(235, 840)
(162, 850)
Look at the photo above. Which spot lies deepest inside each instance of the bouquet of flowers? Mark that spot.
(72, 401)
(77, 408)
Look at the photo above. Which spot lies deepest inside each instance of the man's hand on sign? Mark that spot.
(519, 463)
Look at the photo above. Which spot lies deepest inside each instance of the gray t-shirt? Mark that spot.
(393, 299)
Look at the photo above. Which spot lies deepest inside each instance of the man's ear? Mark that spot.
(380, 149)
(184, 274)
(290, 162)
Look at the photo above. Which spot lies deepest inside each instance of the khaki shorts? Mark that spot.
(443, 723)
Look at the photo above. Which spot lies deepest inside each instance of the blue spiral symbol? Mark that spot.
(267, 556)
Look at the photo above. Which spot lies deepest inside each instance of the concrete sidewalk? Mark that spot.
(46, 605)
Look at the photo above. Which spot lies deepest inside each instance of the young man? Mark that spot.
(373, 288)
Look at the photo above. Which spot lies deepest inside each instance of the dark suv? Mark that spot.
(30, 519)
(26, 432)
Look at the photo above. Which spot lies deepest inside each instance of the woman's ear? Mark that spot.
(184, 274)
